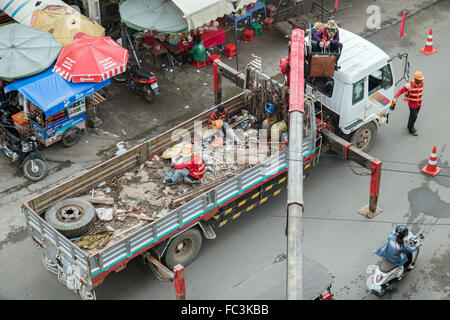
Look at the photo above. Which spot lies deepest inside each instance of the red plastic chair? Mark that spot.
(230, 50)
(211, 59)
(268, 23)
(249, 35)
(200, 64)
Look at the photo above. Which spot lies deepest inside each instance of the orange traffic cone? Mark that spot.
(428, 49)
(431, 168)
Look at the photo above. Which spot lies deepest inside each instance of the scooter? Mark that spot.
(139, 81)
(22, 150)
(387, 275)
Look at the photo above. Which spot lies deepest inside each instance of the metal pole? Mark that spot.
(236, 44)
(295, 173)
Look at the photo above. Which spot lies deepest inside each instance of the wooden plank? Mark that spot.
(100, 200)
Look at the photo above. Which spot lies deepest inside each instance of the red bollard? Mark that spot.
(178, 282)
(371, 210)
(402, 26)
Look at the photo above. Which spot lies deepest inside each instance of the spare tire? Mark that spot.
(72, 217)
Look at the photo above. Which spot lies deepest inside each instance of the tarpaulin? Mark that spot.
(51, 93)
(22, 10)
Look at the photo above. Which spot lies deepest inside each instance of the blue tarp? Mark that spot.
(51, 93)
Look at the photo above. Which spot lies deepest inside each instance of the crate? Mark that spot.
(322, 66)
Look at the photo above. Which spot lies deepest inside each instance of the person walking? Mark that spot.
(413, 94)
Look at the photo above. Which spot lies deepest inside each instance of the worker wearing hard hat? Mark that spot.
(414, 93)
(327, 38)
(191, 167)
(218, 119)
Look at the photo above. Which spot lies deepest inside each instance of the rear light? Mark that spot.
(328, 296)
(379, 278)
(145, 81)
(152, 80)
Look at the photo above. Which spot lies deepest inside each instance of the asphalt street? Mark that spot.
(335, 235)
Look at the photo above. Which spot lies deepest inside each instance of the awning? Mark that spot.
(199, 12)
(22, 10)
(51, 93)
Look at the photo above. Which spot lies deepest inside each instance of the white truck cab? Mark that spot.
(358, 96)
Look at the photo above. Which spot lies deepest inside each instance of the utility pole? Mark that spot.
(296, 84)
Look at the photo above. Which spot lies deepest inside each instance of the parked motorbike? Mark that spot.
(140, 81)
(22, 150)
(387, 275)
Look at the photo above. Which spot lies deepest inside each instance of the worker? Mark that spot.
(414, 92)
(221, 114)
(327, 38)
(198, 50)
(191, 169)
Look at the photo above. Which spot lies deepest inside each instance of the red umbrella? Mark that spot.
(91, 59)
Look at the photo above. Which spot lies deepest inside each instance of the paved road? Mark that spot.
(335, 235)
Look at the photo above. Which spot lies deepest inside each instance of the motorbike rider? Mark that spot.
(396, 250)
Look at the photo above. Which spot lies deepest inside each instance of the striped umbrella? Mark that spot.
(91, 59)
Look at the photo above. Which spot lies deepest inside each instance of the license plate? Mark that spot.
(154, 85)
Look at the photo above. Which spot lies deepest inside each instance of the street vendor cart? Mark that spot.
(53, 108)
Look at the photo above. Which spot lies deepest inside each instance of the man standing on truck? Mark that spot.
(414, 92)
(328, 38)
(192, 169)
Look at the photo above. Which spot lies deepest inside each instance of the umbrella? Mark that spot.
(25, 51)
(160, 15)
(64, 23)
(91, 59)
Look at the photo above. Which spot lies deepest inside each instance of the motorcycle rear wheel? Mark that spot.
(121, 77)
(35, 169)
(149, 95)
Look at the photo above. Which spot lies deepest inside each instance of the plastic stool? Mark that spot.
(200, 64)
(230, 50)
(249, 35)
(271, 10)
(268, 23)
(211, 59)
(256, 27)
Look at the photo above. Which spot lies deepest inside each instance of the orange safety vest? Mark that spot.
(195, 165)
(414, 94)
(216, 115)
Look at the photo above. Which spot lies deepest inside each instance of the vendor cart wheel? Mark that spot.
(35, 169)
(71, 136)
(72, 217)
(364, 137)
(149, 95)
(183, 249)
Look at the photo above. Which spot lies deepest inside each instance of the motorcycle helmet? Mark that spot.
(401, 232)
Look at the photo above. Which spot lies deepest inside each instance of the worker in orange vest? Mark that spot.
(414, 93)
(192, 169)
(221, 114)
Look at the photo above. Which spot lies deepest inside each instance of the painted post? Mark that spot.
(217, 85)
(178, 282)
(402, 26)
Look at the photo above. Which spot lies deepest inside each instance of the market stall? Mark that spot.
(53, 108)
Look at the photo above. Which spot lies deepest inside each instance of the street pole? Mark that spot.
(295, 172)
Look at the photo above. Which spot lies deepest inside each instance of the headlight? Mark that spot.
(25, 147)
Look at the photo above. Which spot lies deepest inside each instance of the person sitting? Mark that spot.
(327, 38)
(221, 114)
(191, 168)
(198, 50)
(396, 251)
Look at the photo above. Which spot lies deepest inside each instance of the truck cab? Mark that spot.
(358, 96)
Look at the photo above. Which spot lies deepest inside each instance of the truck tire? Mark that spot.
(364, 137)
(72, 217)
(183, 249)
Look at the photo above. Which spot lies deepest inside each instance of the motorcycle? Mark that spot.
(22, 150)
(139, 81)
(387, 275)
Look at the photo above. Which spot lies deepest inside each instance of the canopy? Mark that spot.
(25, 51)
(159, 15)
(51, 93)
(270, 282)
(22, 10)
(64, 23)
(91, 59)
(199, 12)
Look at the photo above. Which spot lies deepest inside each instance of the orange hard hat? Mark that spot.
(217, 124)
(418, 75)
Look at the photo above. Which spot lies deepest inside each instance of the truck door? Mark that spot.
(381, 91)
(358, 108)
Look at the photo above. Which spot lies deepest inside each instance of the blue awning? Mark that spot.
(51, 93)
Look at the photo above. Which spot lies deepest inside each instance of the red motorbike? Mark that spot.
(142, 82)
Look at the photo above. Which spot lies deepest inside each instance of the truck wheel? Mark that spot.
(183, 249)
(364, 137)
(71, 136)
(72, 217)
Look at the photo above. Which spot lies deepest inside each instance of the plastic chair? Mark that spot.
(268, 23)
(271, 10)
(249, 35)
(257, 28)
(211, 59)
(200, 64)
(230, 50)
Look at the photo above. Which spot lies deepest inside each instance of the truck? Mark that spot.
(175, 237)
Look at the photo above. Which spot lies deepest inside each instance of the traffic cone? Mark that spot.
(431, 168)
(428, 49)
